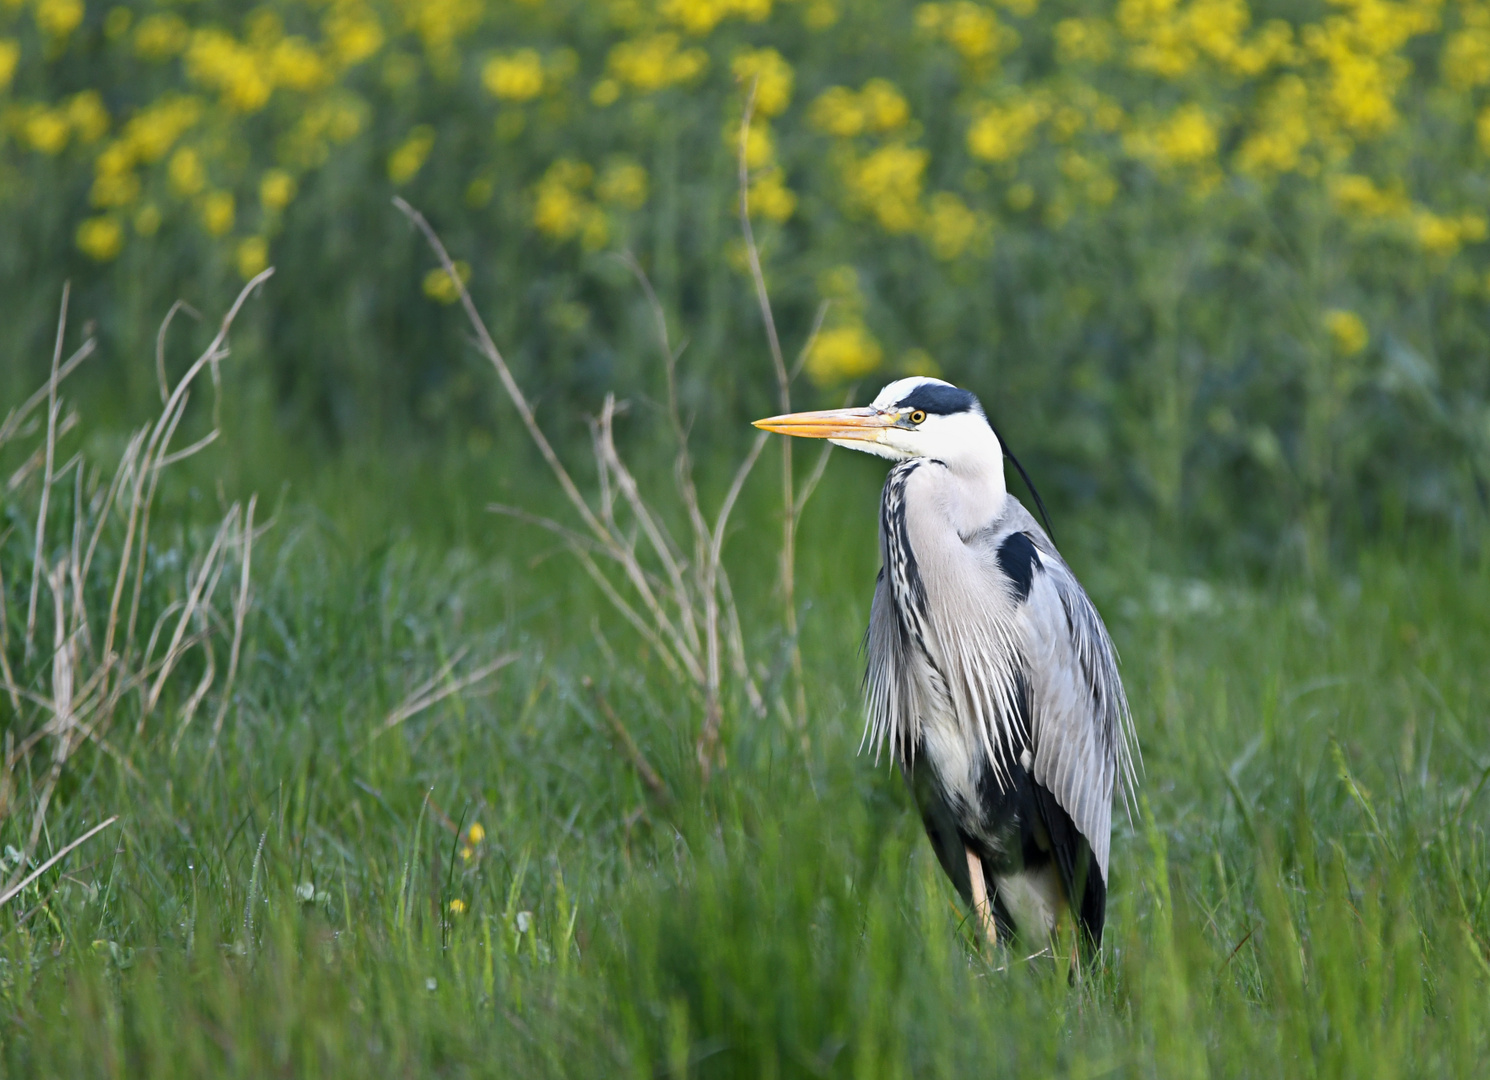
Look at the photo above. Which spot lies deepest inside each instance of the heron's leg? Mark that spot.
(980, 897)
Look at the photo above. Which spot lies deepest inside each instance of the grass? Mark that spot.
(1305, 891)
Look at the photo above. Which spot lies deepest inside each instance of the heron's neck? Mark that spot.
(979, 495)
(978, 484)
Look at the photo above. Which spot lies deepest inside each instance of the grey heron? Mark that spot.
(991, 677)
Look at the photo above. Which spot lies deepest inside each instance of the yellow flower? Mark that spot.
(159, 37)
(10, 56)
(1360, 196)
(100, 238)
(438, 286)
(973, 31)
(953, 229)
(47, 130)
(605, 92)
(771, 75)
(252, 256)
(1002, 132)
(354, 34)
(87, 115)
(1185, 138)
(1347, 331)
(883, 105)
(215, 59)
(516, 76)
(770, 197)
(218, 212)
(561, 210)
(155, 128)
(843, 352)
(887, 183)
(276, 189)
(1466, 58)
(623, 184)
(760, 144)
(1083, 41)
(410, 156)
(654, 63)
(1282, 132)
(457, 907)
(475, 834)
(186, 172)
(837, 112)
(58, 18)
(296, 65)
(699, 17)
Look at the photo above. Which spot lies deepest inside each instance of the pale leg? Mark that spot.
(980, 897)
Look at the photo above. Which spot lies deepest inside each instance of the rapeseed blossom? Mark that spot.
(887, 183)
(654, 63)
(406, 161)
(100, 238)
(769, 74)
(516, 76)
(1346, 330)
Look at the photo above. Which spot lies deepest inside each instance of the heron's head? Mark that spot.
(915, 417)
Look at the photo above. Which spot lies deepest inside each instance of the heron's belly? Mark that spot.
(987, 808)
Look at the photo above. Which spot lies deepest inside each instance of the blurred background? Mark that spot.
(1220, 264)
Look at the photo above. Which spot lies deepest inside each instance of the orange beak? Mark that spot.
(862, 425)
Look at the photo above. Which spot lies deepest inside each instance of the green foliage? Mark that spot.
(1209, 254)
(1303, 891)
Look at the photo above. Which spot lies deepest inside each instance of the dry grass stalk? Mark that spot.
(72, 696)
(677, 598)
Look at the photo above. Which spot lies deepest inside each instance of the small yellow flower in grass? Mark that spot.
(770, 197)
(1347, 331)
(186, 172)
(605, 92)
(218, 212)
(88, 116)
(276, 189)
(100, 238)
(252, 256)
(10, 56)
(953, 229)
(475, 834)
(516, 76)
(47, 130)
(159, 37)
(457, 906)
(623, 184)
(771, 76)
(58, 18)
(842, 353)
(409, 158)
(438, 286)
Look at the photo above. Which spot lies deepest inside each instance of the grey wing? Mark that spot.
(1081, 727)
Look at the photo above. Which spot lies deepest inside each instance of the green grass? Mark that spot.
(1305, 891)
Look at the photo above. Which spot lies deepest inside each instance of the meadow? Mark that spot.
(414, 664)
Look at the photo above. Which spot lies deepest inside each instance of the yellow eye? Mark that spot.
(918, 417)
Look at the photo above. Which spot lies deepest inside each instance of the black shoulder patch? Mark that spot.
(1018, 558)
(940, 400)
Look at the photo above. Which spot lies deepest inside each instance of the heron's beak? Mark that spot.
(861, 425)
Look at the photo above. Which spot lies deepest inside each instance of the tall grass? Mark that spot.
(304, 891)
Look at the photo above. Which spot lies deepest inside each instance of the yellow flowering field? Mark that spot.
(1196, 243)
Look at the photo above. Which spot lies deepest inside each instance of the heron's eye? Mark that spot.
(918, 417)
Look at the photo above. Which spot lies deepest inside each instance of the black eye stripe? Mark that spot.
(940, 400)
